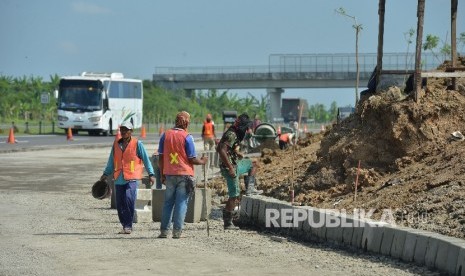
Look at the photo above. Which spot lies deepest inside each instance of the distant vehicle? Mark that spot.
(344, 112)
(290, 109)
(229, 117)
(98, 102)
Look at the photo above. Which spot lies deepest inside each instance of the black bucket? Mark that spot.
(101, 190)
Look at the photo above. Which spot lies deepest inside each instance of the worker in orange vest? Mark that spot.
(208, 133)
(285, 140)
(125, 164)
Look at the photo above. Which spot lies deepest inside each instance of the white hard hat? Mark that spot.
(127, 124)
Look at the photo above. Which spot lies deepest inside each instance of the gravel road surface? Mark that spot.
(51, 225)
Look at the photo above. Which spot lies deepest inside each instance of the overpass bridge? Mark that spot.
(289, 71)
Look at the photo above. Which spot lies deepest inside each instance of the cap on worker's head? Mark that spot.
(127, 124)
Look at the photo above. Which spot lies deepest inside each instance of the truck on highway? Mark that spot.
(290, 109)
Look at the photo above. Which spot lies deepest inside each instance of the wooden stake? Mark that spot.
(356, 181)
(205, 195)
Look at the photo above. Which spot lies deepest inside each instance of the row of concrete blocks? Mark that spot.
(424, 248)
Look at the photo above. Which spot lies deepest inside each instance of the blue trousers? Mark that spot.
(175, 206)
(126, 196)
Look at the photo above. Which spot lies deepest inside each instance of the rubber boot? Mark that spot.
(249, 181)
(227, 219)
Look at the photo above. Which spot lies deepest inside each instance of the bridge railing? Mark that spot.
(313, 63)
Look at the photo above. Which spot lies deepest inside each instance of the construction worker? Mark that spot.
(126, 163)
(176, 163)
(232, 165)
(285, 140)
(208, 133)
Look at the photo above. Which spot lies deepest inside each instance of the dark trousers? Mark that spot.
(125, 202)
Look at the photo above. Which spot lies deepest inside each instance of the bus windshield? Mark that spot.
(80, 95)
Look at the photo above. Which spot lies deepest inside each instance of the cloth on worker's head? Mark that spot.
(127, 124)
(182, 120)
(241, 125)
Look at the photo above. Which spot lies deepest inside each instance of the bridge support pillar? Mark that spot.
(273, 111)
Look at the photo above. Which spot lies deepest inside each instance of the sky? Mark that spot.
(67, 37)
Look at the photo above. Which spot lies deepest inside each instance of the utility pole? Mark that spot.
(453, 37)
(417, 76)
(379, 61)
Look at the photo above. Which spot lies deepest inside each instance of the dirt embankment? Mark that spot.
(409, 161)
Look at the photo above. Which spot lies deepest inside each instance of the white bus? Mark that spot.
(98, 103)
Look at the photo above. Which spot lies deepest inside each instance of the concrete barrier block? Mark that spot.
(421, 247)
(245, 214)
(460, 267)
(158, 198)
(388, 237)
(262, 206)
(306, 228)
(357, 235)
(432, 250)
(318, 224)
(144, 194)
(447, 253)
(372, 236)
(334, 229)
(199, 206)
(143, 215)
(255, 209)
(348, 231)
(412, 243)
(398, 242)
(195, 209)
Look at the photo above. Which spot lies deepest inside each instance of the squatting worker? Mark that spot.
(176, 163)
(232, 165)
(285, 139)
(126, 163)
(208, 133)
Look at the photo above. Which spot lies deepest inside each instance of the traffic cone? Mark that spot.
(142, 132)
(161, 130)
(305, 129)
(279, 129)
(69, 136)
(118, 135)
(11, 137)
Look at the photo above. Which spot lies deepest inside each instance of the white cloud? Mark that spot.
(82, 7)
(68, 47)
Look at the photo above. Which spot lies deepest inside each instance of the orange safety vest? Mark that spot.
(175, 161)
(127, 161)
(284, 137)
(208, 130)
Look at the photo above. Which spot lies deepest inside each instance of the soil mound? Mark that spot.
(410, 155)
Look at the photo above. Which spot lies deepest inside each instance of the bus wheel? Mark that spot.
(109, 131)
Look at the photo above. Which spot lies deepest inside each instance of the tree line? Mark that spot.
(21, 102)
